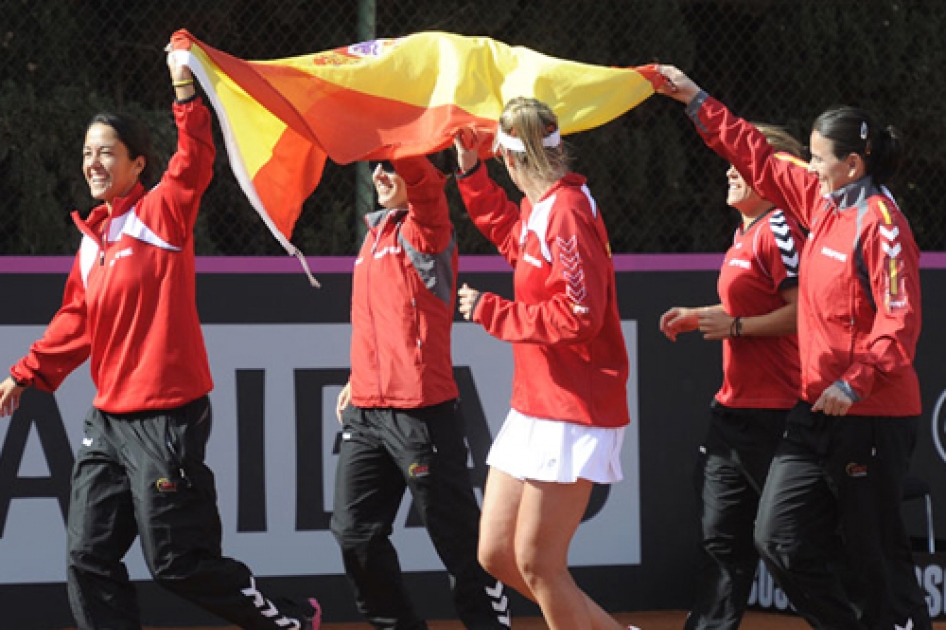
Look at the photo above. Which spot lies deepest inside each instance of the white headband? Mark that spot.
(512, 143)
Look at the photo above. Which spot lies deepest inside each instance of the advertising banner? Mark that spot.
(273, 450)
(279, 354)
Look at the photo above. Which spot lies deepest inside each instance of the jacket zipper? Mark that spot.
(368, 279)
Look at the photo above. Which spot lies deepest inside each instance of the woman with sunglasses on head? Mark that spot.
(847, 447)
(402, 425)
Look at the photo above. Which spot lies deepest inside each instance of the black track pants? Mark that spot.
(144, 475)
(730, 474)
(830, 529)
(384, 451)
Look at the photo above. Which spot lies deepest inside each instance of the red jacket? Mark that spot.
(859, 291)
(130, 300)
(403, 297)
(570, 359)
(760, 372)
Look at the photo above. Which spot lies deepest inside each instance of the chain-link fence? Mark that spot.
(660, 189)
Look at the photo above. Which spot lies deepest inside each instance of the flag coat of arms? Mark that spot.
(384, 99)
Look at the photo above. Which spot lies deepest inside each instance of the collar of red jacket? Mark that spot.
(120, 205)
(853, 194)
(570, 179)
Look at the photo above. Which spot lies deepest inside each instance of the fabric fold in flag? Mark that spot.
(384, 99)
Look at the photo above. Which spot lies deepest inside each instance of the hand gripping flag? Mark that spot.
(384, 99)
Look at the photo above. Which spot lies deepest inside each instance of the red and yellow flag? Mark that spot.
(385, 99)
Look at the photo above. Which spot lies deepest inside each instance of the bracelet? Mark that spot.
(735, 328)
(183, 83)
(848, 391)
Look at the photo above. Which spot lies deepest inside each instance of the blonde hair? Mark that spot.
(531, 120)
(780, 139)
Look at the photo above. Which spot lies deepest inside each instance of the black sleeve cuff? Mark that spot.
(186, 100)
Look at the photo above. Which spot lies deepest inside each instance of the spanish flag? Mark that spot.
(384, 99)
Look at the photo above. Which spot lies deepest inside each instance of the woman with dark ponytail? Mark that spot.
(855, 131)
(130, 308)
(137, 139)
(841, 464)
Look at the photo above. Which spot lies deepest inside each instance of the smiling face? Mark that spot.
(109, 170)
(833, 173)
(391, 189)
(741, 196)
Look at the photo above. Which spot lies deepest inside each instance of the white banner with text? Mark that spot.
(273, 452)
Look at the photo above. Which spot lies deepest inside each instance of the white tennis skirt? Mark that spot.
(553, 450)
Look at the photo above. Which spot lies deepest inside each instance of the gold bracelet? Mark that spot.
(183, 83)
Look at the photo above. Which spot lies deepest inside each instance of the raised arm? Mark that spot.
(486, 202)
(427, 228)
(190, 169)
(779, 177)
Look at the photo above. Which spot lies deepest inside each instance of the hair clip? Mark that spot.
(864, 130)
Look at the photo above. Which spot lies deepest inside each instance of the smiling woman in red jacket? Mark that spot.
(841, 464)
(755, 321)
(569, 398)
(130, 306)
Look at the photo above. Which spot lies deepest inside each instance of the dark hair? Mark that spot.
(854, 130)
(134, 135)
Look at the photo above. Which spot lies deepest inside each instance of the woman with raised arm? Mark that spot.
(130, 306)
(847, 447)
(569, 399)
(400, 411)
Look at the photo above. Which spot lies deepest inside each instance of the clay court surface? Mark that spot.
(662, 620)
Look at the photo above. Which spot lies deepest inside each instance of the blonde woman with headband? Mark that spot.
(568, 411)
